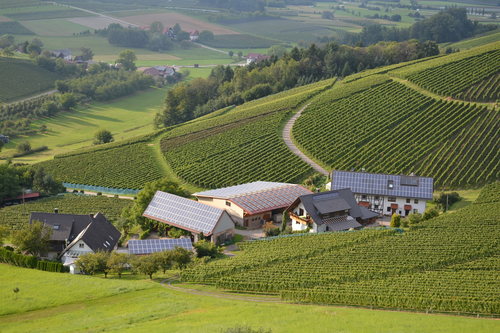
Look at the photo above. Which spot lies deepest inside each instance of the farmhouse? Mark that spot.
(160, 71)
(256, 57)
(4, 138)
(74, 235)
(192, 216)
(194, 35)
(64, 54)
(148, 246)
(386, 194)
(329, 211)
(252, 204)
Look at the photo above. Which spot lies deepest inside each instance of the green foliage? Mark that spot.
(207, 249)
(68, 101)
(245, 329)
(127, 58)
(147, 265)
(33, 238)
(117, 263)
(430, 213)
(489, 194)
(164, 259)
(181, 257)
(445, 200)
(16, 259)
(88, 263)
(10, 185)
(103, 136)
(45, 184)
(414, 218)
(50, 266)
(395, 220)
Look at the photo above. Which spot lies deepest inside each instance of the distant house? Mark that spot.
(74, 235)
(252, 204)
(148, 246)
(256, 57)
(386, 194)
(194, 35)
(25, 196)
(64, 54)
(329, 211)
(5, 139)
(160, 71)
(169, 32)
(190, 215)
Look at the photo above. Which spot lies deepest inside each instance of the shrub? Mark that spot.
(430, 213)
(414, 218)
(270, 229)
(395, 221)
(207, 249)
(445, 200)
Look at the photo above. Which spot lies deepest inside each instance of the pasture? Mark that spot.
(47, 302)
(54, 27)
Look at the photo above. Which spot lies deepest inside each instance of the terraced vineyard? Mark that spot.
(126, 167)
(447, 264)
(16, 216)
(470, 78)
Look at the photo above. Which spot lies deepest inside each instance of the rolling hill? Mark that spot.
(395, 119)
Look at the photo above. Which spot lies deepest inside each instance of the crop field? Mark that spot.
(46, 14)
(22, 78)
(447, 264)
(241, 41)
(47, 301)
(475, 42)
(54, 27)
(18, 215)
(13, 27)
(125, 117)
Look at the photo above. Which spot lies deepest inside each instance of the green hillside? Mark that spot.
(21, 78)
(447, 264)
(395, 119)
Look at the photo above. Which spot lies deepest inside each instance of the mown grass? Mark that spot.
(54, 27)
(57, 302)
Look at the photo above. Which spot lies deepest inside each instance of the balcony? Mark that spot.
(302, 219)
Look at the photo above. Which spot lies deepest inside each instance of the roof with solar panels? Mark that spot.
(148, 246)
(383, 184)
(183, 213)
(258, 197)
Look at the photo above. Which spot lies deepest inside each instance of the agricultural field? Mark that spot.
(22, 78)
(241, 41)
(48, 301)
(447, 264)
(18, 215)
(488, 38)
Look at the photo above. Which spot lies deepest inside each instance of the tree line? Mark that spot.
(233, 86)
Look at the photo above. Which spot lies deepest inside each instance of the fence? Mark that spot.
(108, 190)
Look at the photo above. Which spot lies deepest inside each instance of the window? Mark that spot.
(228, 203)
(56, 226)
(408, 200)
(415, 201)
(81, 245)
(297, 222)
(391, 199)
(415, 211)
(390, 184)
(375, 206)
(301, 212)
(377, 197)
(363, 197)
(388, 209)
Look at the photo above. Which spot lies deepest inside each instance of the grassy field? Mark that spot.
(47, 302)
(125, 118)
(474, 42)
(54, 27)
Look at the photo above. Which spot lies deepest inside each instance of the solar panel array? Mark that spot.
(239, 190)
(182, 212)
(147, 246)
(377, 184)
(263, 201)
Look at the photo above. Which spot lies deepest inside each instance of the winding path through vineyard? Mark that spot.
(287, 137)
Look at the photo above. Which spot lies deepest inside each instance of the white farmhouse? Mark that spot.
(386, 194)
(329, 211)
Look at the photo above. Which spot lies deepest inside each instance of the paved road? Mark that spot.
(287, 137)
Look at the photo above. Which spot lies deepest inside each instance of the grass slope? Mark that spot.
(47, 302)
(22, 78)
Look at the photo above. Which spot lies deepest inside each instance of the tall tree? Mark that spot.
(127, 58)
(9, 182)
(33, 238)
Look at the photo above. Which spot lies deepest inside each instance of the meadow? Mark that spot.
(47, 302)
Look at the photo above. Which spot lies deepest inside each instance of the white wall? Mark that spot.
(401, 202)
(235, 211)
(80, 250)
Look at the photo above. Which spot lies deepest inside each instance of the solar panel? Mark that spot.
(183, 212)
(239, 190)
(148, 246)
(409, 180)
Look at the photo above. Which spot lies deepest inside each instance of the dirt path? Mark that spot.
(287, 137)
(211, 48)
(50, 92)
(125, 23)
(167, 283)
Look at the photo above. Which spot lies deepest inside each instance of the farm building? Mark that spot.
(160, 71)
(256, 57)
(329, 211)
(74, 235)
(64, 54)
(194, 35)
(386, 194)
(252, 204)
(4, 139)
(192, 216)
(148, 246)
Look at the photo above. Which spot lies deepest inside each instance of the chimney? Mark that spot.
(56, 210)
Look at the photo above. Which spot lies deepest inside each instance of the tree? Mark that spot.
(395, 221)
(117, 263)
(177, 28)
(10, 183)
(4, 233)
(45, 184)
(24, 147)
(430, 213)
(1, 145)
(206, 36)
(101, 258)
(33, 238)
(146, 265)
(328, 15)
(103, 136)
(181, 257)
(87, 54)
(164, 259)
(414, 218)
(87, 263)
(207, 249)
(127, 58)
(346, 70)
(276, 50)
(230, 53)
(156, 27)
(67, 100)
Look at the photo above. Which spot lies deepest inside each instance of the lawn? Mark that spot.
(57, 302)
(125, 118)
(54, 27)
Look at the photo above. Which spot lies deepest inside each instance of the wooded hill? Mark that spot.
(394, 119)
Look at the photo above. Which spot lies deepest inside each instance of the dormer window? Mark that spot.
(390, 184)
(81, 245)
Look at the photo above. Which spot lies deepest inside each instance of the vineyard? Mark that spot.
(448, 264)
(15, 216)
(126, 167)
(471, 78)
(391, 128)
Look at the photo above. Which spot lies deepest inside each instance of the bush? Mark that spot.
(430, 213)
(207, 249)
(445, 200)
(16, 259)
(270, 229)
(24, 147)
(395, 221)
(51, 266)
(414, 218)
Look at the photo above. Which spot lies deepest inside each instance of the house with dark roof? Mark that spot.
(386, 194)
(329, 211)
(64, 54)
(252, 204)
(74, 235)
(161, 72)
(215, 224)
